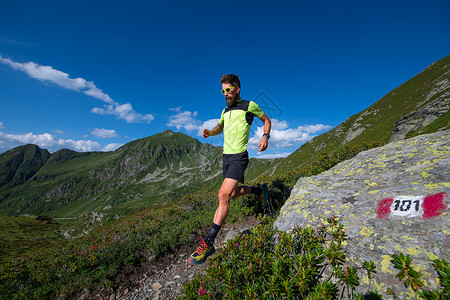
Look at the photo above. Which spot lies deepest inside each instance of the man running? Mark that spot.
(235, 123)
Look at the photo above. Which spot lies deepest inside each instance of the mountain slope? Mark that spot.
(420, 105)
(146, 171)
(20, 164)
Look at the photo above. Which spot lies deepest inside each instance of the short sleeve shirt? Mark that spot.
(237, 120)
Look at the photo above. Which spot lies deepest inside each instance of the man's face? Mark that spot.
(233, 96)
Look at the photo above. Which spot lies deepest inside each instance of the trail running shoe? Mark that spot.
(201, 254)
(264, 196)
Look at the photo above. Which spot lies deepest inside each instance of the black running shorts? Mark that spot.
(234, 166)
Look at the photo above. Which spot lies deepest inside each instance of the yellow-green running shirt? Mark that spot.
(237, 120)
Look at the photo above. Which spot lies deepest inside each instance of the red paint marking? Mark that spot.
(384, 208)
(434, 205)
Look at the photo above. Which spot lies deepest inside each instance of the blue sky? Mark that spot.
(93, 75)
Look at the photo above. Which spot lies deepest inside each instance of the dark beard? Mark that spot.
(231, 101)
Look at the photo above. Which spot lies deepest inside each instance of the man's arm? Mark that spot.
(217, 130)
(264, 143)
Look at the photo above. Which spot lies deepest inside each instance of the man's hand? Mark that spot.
(206, 133)
(263, 144)
(217, 130)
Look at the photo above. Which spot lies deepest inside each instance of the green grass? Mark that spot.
(26, 235)
(257, 166)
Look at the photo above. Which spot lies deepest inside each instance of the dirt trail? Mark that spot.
(163, 277)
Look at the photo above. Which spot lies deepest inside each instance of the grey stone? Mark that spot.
(156, 286)
(399, 175)
(424, 115)
(230, 235)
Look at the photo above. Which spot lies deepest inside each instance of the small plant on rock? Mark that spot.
(402, 263)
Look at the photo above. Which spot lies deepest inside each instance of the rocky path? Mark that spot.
(162, 278)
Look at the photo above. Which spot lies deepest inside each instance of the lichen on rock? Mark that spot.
(390, 199)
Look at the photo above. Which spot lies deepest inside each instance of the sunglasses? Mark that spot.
(228, 90)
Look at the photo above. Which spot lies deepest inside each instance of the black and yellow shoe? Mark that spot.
(201, 254)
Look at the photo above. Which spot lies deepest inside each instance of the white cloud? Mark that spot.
(46, 141)
(1, 125)
(104, 133)
(210, 124)
(183, 119)
(282, 136)
(57, 131)
(112, 147)
(49, 74)
(176, 109)
(189, 122)
(125, 112)
(97, 93)
(52, 143)
(273, 155)
(15, 42)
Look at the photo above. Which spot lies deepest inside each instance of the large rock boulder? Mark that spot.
(390, 199)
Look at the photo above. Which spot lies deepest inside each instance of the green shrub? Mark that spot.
(268, 264)
(304, 264)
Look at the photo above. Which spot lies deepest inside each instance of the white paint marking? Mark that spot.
(407, 206)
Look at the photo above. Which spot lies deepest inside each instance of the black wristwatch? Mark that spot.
(266, 135)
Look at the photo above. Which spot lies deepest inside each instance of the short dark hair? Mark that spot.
(231, 79)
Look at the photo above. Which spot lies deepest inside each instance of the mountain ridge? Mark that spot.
(102, 180)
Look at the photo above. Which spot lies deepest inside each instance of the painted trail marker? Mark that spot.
(412, 206)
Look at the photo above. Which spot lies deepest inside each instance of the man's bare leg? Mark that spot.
(228, 190)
